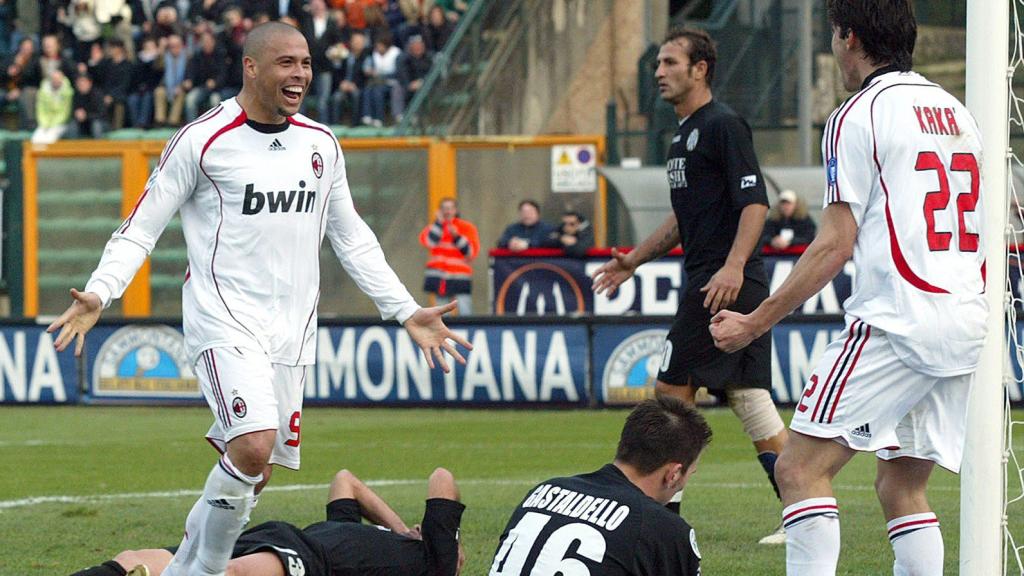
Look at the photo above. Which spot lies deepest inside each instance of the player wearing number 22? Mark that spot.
(904, 199)
(258, 186)
(613, 522)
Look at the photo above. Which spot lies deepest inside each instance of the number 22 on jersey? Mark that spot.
(937, 200)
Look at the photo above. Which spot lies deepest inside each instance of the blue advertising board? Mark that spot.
(545, 286)
(627, 358)
(509, 364)
(31, 370)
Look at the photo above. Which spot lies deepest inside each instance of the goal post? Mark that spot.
(982, 476)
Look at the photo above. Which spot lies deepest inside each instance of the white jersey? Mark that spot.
(905, 156)
(255, 203)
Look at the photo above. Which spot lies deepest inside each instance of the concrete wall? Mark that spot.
(575, 57)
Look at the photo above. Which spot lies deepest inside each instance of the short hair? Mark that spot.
(530, 203)
(261, 36)
(886, 28)
(662, 430)
(702, 47)
(578, 215)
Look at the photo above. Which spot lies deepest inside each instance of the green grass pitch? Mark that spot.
(122, 468)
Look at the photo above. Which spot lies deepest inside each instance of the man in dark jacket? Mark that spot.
(413, 66)
(88, 110)
(575, 235)
(530, 231)
(205, 76)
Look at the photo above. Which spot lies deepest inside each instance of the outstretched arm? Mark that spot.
(620, 268)
(373, 507)
(822, 260)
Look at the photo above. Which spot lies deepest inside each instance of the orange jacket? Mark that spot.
(451, 246)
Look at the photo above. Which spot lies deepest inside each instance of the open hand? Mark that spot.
(76, 321)
(427, 329)
(613, 273)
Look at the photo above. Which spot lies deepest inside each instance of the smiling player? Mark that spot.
(258, 187)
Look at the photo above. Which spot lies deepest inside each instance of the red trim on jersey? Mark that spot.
(213, 443)
(213, 390)
(914, 523)
(163, 158)
(894, 245)
(238, 121)
(827, 507)
(218, 393)
(326, 203)
(825, 385)
(188, 273)
(842, 386)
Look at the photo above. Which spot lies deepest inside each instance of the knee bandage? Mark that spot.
(755, 409)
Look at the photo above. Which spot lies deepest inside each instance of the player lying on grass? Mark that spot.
(340, 546)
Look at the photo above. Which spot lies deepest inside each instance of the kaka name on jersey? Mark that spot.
(936, 120)
(278, 201)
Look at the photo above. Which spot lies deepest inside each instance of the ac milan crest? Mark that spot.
(318, 164)
(238, 407)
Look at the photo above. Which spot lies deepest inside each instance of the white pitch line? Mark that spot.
(97, 498)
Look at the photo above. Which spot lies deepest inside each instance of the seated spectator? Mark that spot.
(438, 29)
(350, 89)
(172, 88)
(318, 29)
(207, 10)
(114, 78)
(20, 79)
(53, 108)
(88, 109)
(166, 24)
(381, 70)
(80, 17)
(205, 77)
(529, 232)
(413, 66)
(146, 76)
(356, 10)
(376, 25)
(788, 223)
(574, 235)
(232, 37)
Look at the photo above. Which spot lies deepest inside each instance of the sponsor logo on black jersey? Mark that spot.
(691, 140)
(318, 164)
(677, 173)
(748, 181)
(299, 200)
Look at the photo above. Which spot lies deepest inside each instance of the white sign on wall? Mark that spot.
(574, 168)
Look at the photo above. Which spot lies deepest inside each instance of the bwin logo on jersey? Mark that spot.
(278, 201)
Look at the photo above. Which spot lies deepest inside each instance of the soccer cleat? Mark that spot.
(778, 536)
(140, 570)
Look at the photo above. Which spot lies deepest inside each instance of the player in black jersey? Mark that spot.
(719, 206)
(340, 546)
(613, 522)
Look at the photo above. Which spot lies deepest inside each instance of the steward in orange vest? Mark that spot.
(453, 243)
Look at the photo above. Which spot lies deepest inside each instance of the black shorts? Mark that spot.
(690, 353)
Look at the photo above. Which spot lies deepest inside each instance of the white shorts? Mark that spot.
(862, 395)
(247, 393)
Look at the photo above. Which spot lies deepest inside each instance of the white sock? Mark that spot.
(812, 537)
(917, 542)
(215, 522)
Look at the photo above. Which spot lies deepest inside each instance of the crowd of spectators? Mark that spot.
(573, 235)
(83, 67)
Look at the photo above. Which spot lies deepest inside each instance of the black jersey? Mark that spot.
(713, 174)
(599, 524)
(343, 546)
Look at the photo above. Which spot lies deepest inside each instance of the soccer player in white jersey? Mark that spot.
(904, 199)
(258, 186)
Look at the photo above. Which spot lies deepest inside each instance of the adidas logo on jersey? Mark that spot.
(864, 431)
(278, 201)
(276, 146)
(221, 503)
